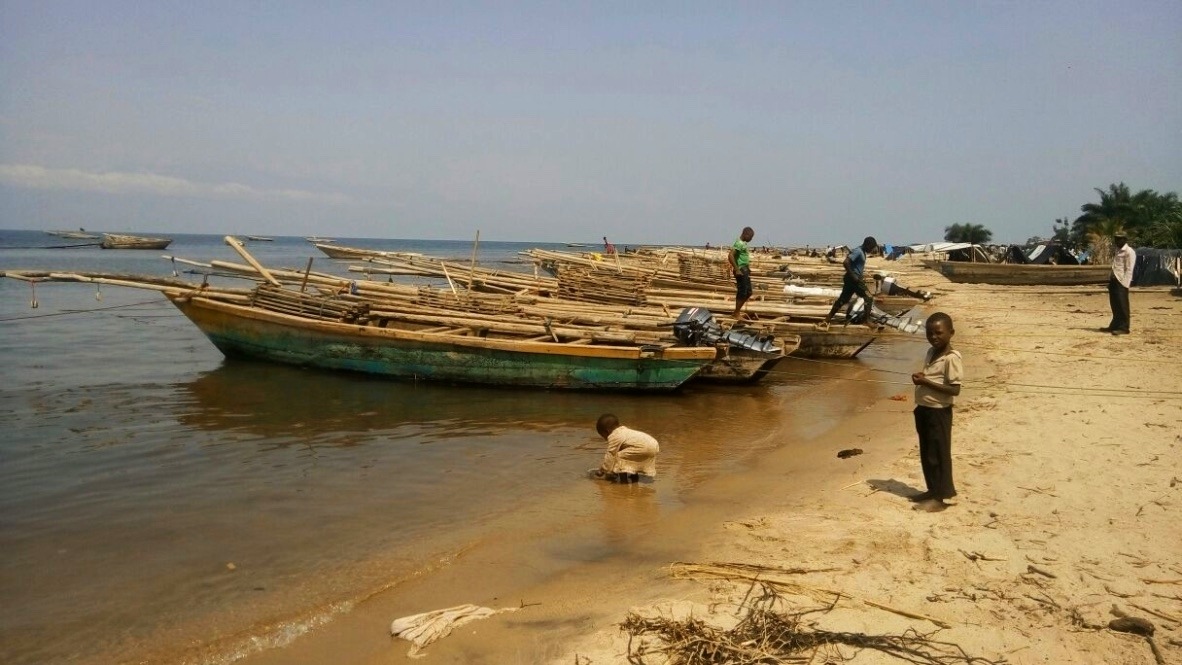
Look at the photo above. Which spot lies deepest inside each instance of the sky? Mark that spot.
(646, 122)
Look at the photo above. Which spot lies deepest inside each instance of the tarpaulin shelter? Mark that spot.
(1158, 267)
(956, 251)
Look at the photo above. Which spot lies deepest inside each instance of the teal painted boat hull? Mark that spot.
(241, 331)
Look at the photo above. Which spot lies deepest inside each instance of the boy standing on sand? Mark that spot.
(740, 259)
(936, 388)
(630, 453)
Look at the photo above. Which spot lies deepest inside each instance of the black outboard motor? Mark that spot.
(695, 326)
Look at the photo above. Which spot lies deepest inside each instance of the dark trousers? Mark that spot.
(934, 427)
(850, 287)
(1118, 300)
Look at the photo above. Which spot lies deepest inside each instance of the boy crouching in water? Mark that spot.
(630, 453)
(936, 388)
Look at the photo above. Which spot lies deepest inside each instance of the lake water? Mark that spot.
(158, 501)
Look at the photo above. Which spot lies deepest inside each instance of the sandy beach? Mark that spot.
(1066, 447)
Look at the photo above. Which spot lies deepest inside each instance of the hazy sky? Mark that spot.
(648, 122)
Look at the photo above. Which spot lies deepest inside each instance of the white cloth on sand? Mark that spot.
(423, 629)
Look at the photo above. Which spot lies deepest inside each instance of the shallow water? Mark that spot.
(155, 496)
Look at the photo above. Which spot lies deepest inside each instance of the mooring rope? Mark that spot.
(81, 311)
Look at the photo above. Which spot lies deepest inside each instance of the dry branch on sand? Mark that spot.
(766, 634)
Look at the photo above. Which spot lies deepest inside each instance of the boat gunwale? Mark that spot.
(607, 351)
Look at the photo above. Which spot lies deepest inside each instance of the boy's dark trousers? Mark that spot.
(1118, 299)
(934, 427)
(849, 288)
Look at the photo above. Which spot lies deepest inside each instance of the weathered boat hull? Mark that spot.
(838, 342)
(342, 252)
(114, 241)
(739, 367)
(240, 331)
(1017, 274)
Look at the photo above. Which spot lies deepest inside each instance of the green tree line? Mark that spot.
(1150, 219)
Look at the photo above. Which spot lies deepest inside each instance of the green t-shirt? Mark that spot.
(742, 258)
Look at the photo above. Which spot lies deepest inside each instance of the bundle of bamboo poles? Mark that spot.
(577, 282)
(468, 301)
(312, 306)
(697, 267)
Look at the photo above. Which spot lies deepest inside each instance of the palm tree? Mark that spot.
(1150, 218)
(1160, 223)
(974, 233)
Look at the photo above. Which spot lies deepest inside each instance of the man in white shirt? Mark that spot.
(1118, 284)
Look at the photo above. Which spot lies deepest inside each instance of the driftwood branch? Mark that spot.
(767, 634)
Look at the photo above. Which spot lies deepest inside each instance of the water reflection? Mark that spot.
(278, 401)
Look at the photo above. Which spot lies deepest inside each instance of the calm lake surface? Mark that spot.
(158, 501)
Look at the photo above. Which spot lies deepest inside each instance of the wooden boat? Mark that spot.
(356, 253)
(118, 241)
(604, 286)
(260, 238)
(80, 234)
(1018, 274)
(362, 330)
(316, 239)
(456, 354)
(837, 342)
(743, 366)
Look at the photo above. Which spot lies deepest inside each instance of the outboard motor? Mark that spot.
(695, 326)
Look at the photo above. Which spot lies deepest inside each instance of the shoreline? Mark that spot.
(1046, 482)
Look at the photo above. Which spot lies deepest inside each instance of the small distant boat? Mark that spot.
(356, 253)
(80, 234)
(260, 238)
(575, 244)
(119, 241)
(316, 239)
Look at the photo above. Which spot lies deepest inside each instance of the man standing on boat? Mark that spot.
(851, 280)
(740, 259)
(1118, 284)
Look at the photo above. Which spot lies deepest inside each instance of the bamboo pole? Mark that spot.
(304, 283)
(472, 265)
(233, 242)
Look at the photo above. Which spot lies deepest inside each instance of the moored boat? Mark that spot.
(260, 238)
(80, 234)
(1020, 274)
(452, 355)
(343, 252)
(120, 241)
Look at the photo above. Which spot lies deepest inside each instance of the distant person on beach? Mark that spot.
(1118, 284)
(630, 453)
(740, 259)
(936, 388)
(608, 248)
(886, 285)
(851, 280)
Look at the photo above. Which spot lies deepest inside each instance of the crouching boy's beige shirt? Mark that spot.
(630, 451)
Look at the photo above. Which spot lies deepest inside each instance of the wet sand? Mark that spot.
(1066, 454)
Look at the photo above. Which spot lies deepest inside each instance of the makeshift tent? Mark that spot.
(1158, 267)
(1051, 252)
(956, 251)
